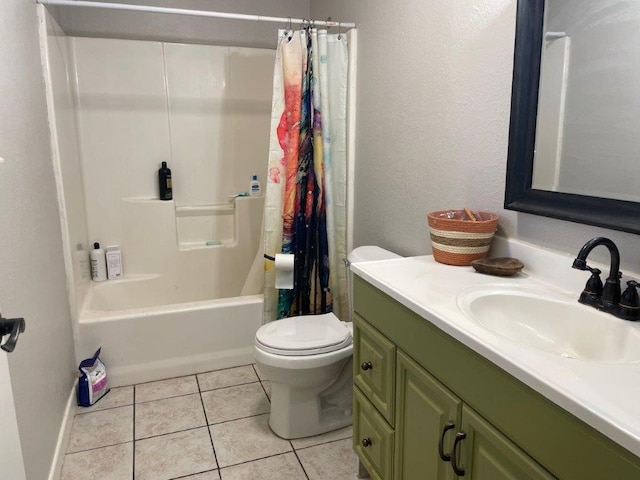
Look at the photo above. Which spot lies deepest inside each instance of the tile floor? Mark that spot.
(210, 426)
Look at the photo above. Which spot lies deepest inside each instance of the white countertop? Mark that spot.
(605, 396)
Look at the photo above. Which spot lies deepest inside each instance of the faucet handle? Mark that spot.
(592, 293)
(630, 302)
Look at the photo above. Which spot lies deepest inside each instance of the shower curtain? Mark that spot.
(305, 206)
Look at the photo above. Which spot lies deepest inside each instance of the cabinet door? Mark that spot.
(374, 367)
(488, 455)
(423, 407)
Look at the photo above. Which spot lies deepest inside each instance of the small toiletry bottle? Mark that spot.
(164, 182)
(98, 264)
(114, 262)
(254, 187)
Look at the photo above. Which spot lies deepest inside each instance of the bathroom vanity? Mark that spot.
(439, 395)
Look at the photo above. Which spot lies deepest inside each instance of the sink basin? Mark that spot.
(533, 318)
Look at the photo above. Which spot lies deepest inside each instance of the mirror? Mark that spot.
(561, 162)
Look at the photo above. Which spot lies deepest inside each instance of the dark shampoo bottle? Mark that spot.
(164, 182)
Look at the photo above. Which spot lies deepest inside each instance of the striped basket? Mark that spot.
(456, 240)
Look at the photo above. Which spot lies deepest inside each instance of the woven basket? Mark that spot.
(456, 240)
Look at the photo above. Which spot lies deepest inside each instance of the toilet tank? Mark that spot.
(369, 253)
(364, 254)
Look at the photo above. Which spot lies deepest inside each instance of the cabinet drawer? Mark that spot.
(374, 367)
(372, 438)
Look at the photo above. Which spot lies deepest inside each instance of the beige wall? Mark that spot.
(434, 89)
(32, 281)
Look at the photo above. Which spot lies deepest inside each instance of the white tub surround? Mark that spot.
(182, 306)
(602, 394)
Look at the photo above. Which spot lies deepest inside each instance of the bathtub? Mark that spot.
(141, 343)
(198, 311)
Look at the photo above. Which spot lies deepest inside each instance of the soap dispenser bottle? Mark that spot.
(164, 182)
(254, 187)
(98, 263)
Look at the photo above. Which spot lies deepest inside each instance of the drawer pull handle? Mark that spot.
(447, 426)
(454, 454)
(366, 366)
(366, 442)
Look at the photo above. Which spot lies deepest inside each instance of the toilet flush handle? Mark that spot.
(366, 366)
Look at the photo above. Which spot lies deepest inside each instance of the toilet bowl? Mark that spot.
(308, 360)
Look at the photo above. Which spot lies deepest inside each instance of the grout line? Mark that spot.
(98, 448)
(261, 382)
(229, 386)
(322, 443)
(167, 398)
(102, 409)
(239, 418)
(299, 461)
(185, 376)
(193, 474)
(206, 420)
(133, 469)
(171, 433)
(255, 460)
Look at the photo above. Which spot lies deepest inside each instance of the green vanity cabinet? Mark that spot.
(424, 406)
(411, 379)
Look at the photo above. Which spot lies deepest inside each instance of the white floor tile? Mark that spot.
(245, 440)
(335, 460)
(169, 415)
(174, 455)
(117, 397)
(101, 429)
(280, 467)
(227, 378)
(236, 402)
(171, 387)
(346, 432)
(106, 463)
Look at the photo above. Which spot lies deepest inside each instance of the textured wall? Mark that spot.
(434, 89)
(32, 281)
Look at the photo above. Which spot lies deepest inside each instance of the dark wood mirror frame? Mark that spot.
(602, 212)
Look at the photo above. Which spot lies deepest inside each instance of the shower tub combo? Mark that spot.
(200, 308)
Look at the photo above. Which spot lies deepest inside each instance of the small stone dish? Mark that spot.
(501, 267)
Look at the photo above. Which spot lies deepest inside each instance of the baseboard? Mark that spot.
(63, 435)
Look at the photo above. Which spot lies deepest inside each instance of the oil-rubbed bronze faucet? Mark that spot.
(607, 297)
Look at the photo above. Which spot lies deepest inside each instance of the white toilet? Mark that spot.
(308, 360)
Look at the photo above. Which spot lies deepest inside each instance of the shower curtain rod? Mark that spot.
(195, 13)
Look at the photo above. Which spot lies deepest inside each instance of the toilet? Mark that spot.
(308, 360)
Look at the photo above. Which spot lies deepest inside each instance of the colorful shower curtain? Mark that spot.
(305, 207)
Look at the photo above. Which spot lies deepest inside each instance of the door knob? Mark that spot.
(12, 327)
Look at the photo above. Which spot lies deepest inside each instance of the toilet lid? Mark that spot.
(304, 335)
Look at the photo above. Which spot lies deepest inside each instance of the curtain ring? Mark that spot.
(339, 31)
(289, 25)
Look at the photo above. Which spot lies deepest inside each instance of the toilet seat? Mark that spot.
(304, 335)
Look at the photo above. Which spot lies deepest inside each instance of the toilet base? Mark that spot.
(304, 412)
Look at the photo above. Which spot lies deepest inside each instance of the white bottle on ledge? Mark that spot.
(98, 264)
(255, 190)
